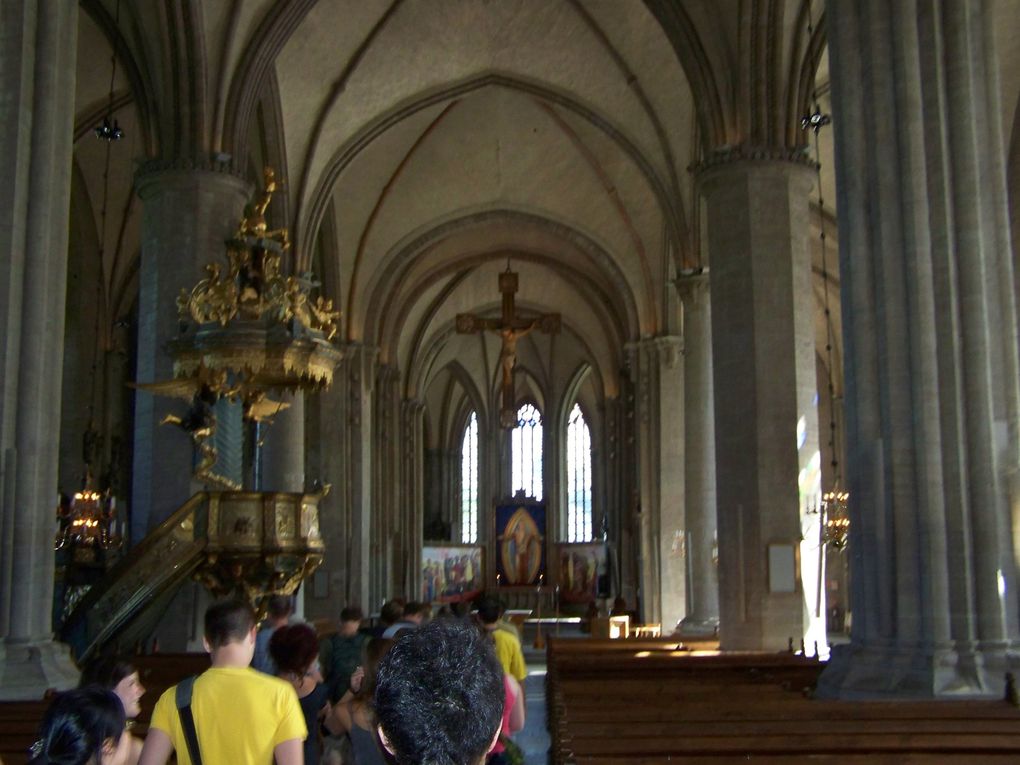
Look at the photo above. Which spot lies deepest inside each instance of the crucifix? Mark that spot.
(511, 328)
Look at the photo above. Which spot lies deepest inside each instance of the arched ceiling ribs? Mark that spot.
(420, 370)
(588, 289)
(803, 71)
(337, 90)
(610, 329)
(430, 312)
(186, 72)
(246, 87)
(573, 388)
(313, 202)
(459, 377)
(275, 149)
(760, 39)
(528, 390)
(642, 97)
(366, 229)
(716, 116)
(138, 80)
(328, 273)
(614, 198)
(620, 304)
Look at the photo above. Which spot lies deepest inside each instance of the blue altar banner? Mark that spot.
(520, 544)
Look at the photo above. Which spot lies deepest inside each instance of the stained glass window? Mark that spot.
(469, 482)
(526, 452)
(579, 526)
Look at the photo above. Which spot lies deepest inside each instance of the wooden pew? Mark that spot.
(19, 720)
(609, 704)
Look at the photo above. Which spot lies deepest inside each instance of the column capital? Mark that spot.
(725, 160)
(155, 176)
(665, 349)
(693, 288)
(412, 406)
(361, 361)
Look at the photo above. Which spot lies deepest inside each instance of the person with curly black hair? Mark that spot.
(439, 696)
(84, 726)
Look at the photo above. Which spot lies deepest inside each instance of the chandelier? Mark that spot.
(834, 505)
(836, 518)
(87, 521)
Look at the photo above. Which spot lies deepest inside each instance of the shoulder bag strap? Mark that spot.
(183, 697)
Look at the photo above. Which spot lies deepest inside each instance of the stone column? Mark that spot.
(412, 498)
(327, 461)
(764, 382)
(188, 214)
(611, 480)
(283, 451)
(659, 390)
(360, 367)
(38, 43)
(701, 535)
(930, 326)
(387, 543)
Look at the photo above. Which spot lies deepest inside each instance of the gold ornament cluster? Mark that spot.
(254, 287)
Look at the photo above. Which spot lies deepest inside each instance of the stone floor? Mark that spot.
(534, 739)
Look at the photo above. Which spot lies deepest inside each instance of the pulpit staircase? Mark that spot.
(249, 543)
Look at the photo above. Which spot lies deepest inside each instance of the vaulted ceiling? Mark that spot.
(424, 144)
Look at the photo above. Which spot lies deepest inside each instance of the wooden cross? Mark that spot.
(511, 328)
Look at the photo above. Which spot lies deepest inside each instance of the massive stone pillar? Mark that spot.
(359, 367)
(38, 43)
(327, 458)
(656, 364)
(283, 451)
(763, 369)
(387, 538)
(930, 329)
(700, 534)
(188, 215)
(612, 485)
(412, 495)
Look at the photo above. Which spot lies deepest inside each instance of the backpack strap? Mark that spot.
(183, 698)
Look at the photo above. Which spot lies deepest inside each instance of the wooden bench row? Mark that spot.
(20, 720)
(608, 706)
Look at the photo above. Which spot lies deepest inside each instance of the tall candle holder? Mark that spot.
(539, 639)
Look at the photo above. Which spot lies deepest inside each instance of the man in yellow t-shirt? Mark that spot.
(241, 715)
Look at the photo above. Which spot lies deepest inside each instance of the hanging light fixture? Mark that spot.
(86, 521)
(108, 130)
(834, 504)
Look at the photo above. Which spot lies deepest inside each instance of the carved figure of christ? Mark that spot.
(511, 328)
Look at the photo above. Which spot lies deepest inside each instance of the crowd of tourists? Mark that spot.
(408, 688)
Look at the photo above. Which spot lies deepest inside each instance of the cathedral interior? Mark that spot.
(760, 355)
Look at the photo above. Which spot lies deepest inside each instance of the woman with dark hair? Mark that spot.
(84, 726)
(120, 676)
(294, 649)
(354, 715)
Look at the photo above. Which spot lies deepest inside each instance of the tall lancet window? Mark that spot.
(526, 452)
(579, 527)
(469, 482)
